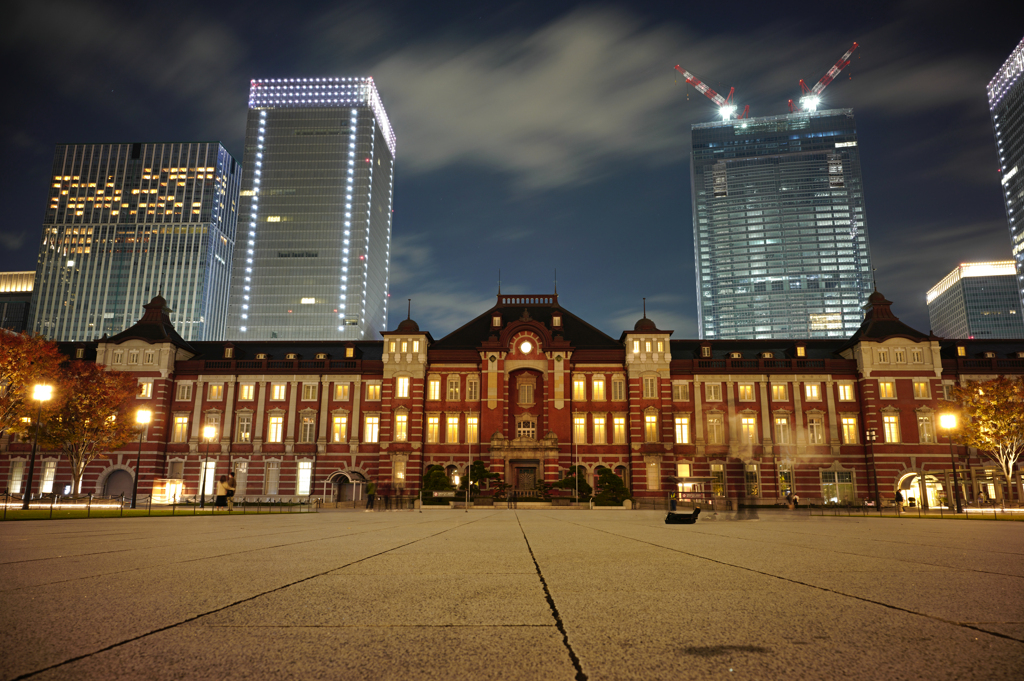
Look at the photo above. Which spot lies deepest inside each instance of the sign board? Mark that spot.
(693, 480)
(445, 494)
(690, 495)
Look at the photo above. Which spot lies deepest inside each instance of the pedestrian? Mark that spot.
(796, 501)
(899, 502)
(515, 499)
(222, 493)
(371, 490)
(789, 499)
(230, 488)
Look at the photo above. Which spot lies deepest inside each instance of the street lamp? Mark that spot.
(871, 434)
(40, 393)
(948, 423)
(209, 432)
(142, 417)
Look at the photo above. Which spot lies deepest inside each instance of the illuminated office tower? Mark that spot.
(977, 300)
(780, 239)
(315, 229)
(1006, 105)
(126, 222)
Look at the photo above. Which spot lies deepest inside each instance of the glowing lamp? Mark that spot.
(143, 416)
(42, 393)
(947, 421)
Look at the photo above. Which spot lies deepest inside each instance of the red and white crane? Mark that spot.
(725, 106)
(810, 98)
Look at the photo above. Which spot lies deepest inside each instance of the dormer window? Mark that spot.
(291, 355)
(496, 321)
(735, 355)
(556, 320)
(80, 353)
(801, 351)
(321, 355)
(350, 352)
(767, 355)
(705, 351)
(261, 355)
(229, 353)
(988, 355)
(961, 351)
(1020, 355)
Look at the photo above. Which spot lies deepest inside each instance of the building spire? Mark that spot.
(408, 315)
(645, 308)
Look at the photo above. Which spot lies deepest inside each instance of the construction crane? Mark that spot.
(725, 106)
(810, 98)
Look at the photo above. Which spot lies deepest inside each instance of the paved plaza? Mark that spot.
(501, 594)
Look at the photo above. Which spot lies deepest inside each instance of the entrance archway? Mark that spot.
(926, 491)
(117, 483)
(348, 486)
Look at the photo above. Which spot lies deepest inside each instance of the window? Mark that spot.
(782, 430)
(243, 433)
(650, 428)
(118, 356)
(149, 357)
(579, 389)
(579, 430)
(393, 346)
(434, 389)
(453, 388)
(680, 392)
(433, 429)
(307, 429)
(837, 486)
(246, 392)
(925, 428)
(845, 392)
(371, 429)
(405, 346)
(342, 392)
(241, 477)
(653, 475)
(399, 466)
(636, 347)
(525, 393)
(751, 480)
(17, 474)
(215, 393)
(401, 427)
(748, 430)
(647, 346)
(496, 320)
(600, 435)
(718, 479)
(947, 391)
(785, 481)
(780, 393)
(745, 392)
(682, 430)
(619, 430)
(305, 474)
(415, 346)
(373, 392)
(921, 390)
(184, 391)
(339, 429)
(452, 432)
(180, 433)
(146, 390)
(713, 392)
(278, 391)
(849, 424)
(887, 390)
(618, 389)
(815, 430)
(350, 352)
(883, 356)
(916, 355)
(473, 388)
(472, 429)
(49, 473)
(308, 392)
(705, 351)
(716, 433)
(275, 433)
(402, 386)
(900, 355)
(527, 429)
(650, 387)
(812, 392)
(597, 387)
(133, 356)
(273, 477)
(683, 470)
(891, 426)
(801, 351)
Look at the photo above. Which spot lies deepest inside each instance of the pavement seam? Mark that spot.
(580, 676)
(812, 586)
(189, 620)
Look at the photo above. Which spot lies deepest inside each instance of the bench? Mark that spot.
(682, 518)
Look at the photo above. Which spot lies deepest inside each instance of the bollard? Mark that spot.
(88, 508)
(174, 503)
(52, 499)
(122, 504)
(149, 512)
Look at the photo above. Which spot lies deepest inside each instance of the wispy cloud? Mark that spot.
(13, 240)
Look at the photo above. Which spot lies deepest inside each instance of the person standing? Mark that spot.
(899, 501)
(796, 501)
(371, 491)
(229, 487)
(222, 493)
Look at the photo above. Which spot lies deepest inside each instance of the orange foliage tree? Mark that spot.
(24, 361)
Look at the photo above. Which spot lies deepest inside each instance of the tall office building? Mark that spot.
(126, 222)
(1006, 105)
(315, 239)
(15, 299)
(780, 239)
(977, 300)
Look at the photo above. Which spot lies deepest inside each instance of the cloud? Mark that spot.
(664, 311)
(12, 241)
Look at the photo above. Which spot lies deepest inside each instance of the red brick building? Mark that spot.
(531, 389)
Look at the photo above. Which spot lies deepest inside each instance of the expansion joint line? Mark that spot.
(580, 676)
(187, 620)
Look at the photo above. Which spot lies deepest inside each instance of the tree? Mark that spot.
(612, 491)
(436, 479)
(24, 361)
(992, 420)
(95, 416)
(580, 485)
(479, 474)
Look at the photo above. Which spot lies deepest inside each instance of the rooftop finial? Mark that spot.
(645, 308)
(408, 315)
(556, 281)
(499, 281)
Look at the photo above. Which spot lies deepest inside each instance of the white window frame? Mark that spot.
(402, 386)
(246, 392)
(597, 389)
(371, 428)
(401, 427)
(682, 430)
(278, 392)
(713, 392)
(342, 392)
(275, 428)
(309, 391)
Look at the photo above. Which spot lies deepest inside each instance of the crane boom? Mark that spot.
(704, 89)
(843, 62)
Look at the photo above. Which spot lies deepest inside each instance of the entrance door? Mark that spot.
(117, 483)
(526, 478)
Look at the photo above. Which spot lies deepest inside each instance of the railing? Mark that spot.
(89, 502)
(528, 300)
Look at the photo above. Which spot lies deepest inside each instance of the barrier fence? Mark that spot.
(73, 506)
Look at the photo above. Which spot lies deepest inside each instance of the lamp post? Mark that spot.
(142, 417)
(948, 423)
(209, 432)
(871, 434)
(40, 393)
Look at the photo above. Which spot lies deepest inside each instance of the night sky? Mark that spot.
(535, 137)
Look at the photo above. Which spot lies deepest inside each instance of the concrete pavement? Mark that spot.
(500, 594)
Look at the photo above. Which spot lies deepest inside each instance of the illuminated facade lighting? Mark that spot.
(1006, 106)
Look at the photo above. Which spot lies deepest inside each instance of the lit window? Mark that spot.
(307, 429)
(812, 392)
(619, 430)
(748, 430)
(845, 392)
(216, 392)
(371, 429)
(921, 390)
(650, 384)
(815, 430)
(350, 352)
(405, 346)
(647, 346)
(434, 389)
(146, 390)
(579, 389)
(746, 392)
(415, 346)
(887, 390)
(373, 392)
(451, 434)
(682, 430)
(750, 480)
(650, 428)
(837, 486)
(402, 386)
(781, 430)
(716, 433)
(718, 479)
(278, 391)
(276, 429)
(244, 430)
(473, 388)
(433, 429)
(891, 425)
(600, 435)
(453, 388)
(597, 386)
(401, 427)
(305, 475)
(579, 430)
(925, 428)
(636, 347)
(849, 424)
(342, 392)
(339, 429)
(180, 433)
(780, 392)
(472, 429)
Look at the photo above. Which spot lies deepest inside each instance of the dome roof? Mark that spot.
(408, 326)
(645, 324)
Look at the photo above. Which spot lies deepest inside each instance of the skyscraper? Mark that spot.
(315, 243)
(977, 300)
(780, 238)
(126, 222)
(1006, 106)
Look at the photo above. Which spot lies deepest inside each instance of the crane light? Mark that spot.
(727, 111)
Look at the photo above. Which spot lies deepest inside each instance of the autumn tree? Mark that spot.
(24, 361)
(95, 417)
(991, 420)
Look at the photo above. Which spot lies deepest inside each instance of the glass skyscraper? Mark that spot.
(315, 238)
(780, 238)
(977, 300)
(125, 222)
(1006, 105)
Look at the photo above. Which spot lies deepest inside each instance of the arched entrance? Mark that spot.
(348, 486)
(926, 491)
(117, 483)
